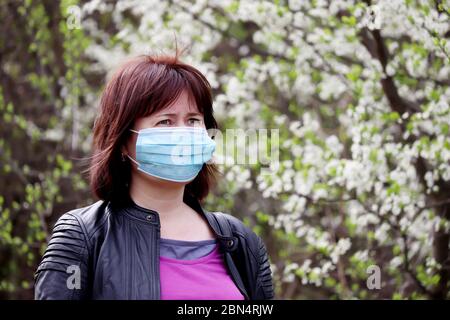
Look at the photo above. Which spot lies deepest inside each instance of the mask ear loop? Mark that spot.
(137, 163)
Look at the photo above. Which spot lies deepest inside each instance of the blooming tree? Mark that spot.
(359, 92)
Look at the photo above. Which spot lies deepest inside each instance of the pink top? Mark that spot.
(204, 278)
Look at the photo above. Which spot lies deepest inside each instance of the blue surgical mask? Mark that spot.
(173, 153)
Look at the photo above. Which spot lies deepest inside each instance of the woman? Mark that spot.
(148, 236)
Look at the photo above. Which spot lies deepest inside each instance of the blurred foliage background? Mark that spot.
(359, 91)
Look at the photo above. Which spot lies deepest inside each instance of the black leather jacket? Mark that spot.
(114, 252)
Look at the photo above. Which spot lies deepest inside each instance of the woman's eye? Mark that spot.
(164, 122)
(194, 121)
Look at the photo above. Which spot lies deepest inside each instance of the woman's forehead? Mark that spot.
(181, 105)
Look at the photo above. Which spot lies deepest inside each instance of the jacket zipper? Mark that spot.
(157, 282)
(235, 275)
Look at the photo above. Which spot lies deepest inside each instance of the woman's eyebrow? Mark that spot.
(166, 115)
(189, 114)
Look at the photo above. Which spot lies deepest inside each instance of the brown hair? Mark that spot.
(139, 88)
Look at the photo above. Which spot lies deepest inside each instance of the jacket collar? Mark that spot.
(145, 215)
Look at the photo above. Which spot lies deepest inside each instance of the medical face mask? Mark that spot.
(173, 153)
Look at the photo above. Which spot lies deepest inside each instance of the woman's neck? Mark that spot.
(166, 198)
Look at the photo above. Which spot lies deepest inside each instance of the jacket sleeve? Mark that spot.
(264, 274)
(62, 272)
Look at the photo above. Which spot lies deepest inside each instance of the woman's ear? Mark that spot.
(127, 147)
(124, 151)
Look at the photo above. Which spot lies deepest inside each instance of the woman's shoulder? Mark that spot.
(238, 227)
(87, 218)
